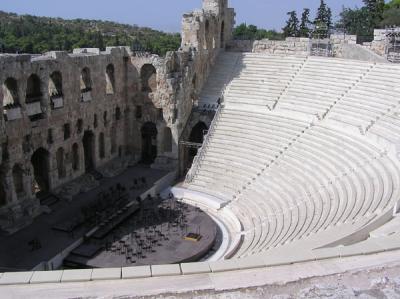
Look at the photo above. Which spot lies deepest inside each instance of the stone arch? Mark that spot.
(95, 121)
(148, 75)
(33, 89)
(167, 144)
(75, 157)
(18, 179)
(149, 142)
(60, 157)
(194, 82)
(196, 136)
(110, 79)
(86, 80)
(41, 165)
(10, 93)
(222, 37)
(105, 118)
(113, 140)
(55, 84)
(206, 34)
(102, 151)
(88, 149)
(117, 113)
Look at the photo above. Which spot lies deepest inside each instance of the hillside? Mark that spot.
(31, 34)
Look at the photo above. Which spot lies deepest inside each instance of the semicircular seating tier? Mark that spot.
(302, 147)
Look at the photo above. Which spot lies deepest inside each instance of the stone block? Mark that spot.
(46, 276)
(389, 243)
(251, 262)
(225, 265)
(76, 275)
(285, 258)
(326, 253)
(165, 270)
(368, 247)
(33, 108)
(15, 278)
(13, 113)
(195, 268)
(136, 272)
(106, 274)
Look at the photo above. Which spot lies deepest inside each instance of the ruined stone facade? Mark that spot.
(291, 45)
(67, 115)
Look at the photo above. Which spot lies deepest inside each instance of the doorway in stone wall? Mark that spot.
(40, 161)
(222, 34)
(149, 142)
(196, 136)
(88, 149)
(3, 200)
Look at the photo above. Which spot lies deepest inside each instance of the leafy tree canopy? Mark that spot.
(292, 25)
(304, 29)
(323, 21)
(30, 34)
(251, 32)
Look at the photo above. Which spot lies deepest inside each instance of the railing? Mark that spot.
(198, 159)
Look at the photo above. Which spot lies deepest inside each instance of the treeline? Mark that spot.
(31, 34)
(374, 14)
(359, 21)
(252, 32)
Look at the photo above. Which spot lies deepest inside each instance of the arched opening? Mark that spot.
(110, 79)
(194, 82)
(222, 34)
(3, 200)
(117, 113)
(55, 85)
(60, 163)
(149, 142)
(196, 136)
(113, 140)
(102, 152)
(86, 81)
(75, 157)
(167, 140)
(88, 149)
(105, 119)
(95, 121)
(148, 75)
(10, 93)
(40, 163)
(206, 34)
(18, 178)
(33, 89)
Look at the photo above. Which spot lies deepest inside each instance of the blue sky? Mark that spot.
(166, 14)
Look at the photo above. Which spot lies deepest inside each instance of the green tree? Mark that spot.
(391, 17)
(323, 21)
(251, 32)
(292, 25)
(304, 29)
(375, 9)
(35, 35)
(356, 22)
(392, 4)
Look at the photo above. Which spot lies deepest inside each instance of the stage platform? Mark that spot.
(50, 234)
(159, 232)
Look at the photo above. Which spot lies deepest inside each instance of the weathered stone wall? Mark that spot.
(105, 100)
(22, 137)
(343, 46)
(290, 46)
(378, 45)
